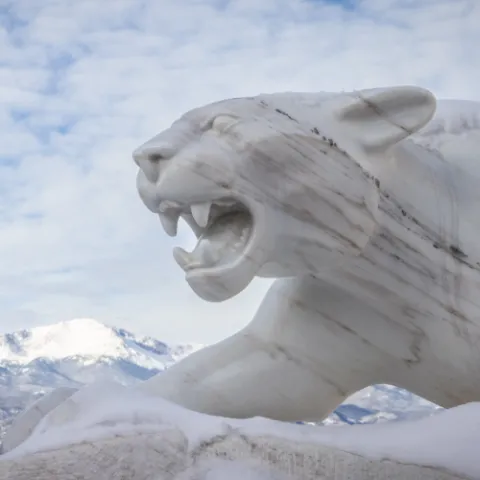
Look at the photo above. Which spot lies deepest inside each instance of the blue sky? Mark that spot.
(83, 82)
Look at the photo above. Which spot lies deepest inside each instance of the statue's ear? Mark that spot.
(377, 119)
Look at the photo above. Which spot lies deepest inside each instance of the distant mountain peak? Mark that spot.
(90, 339)
(73, 353)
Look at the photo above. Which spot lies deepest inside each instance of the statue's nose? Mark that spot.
(151, 158)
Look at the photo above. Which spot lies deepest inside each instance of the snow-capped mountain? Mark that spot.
(72, 354)
(381, 403)
(81, 351)
(89, 339)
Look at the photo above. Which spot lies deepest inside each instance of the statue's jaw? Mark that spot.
(223, 261)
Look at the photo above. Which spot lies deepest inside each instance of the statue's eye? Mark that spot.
(223, 122)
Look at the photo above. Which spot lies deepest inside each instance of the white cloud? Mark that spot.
(82, 83)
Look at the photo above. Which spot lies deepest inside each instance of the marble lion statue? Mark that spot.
(364, 206)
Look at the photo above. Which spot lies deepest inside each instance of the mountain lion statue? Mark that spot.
(364, 207)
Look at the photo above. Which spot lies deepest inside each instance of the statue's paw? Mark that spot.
(103, 410)
(23, 426)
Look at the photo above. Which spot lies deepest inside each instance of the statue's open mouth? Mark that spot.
(223, 228)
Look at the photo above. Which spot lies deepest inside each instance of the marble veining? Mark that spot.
(365, 209)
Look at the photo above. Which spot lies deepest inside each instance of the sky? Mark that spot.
(83, 83)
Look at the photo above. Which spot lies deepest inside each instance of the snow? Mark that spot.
(75, 337)
(447, 440)
(246, 470)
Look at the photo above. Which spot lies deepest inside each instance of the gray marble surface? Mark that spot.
(370, 222)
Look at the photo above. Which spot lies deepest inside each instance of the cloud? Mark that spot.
(82, 83)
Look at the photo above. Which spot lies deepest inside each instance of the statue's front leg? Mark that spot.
(295, 361)
(27, 421)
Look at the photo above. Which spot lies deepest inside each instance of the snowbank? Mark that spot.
(119, 427)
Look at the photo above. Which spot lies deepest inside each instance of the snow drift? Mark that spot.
(106, 431)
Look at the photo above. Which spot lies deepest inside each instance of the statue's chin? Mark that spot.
(220, 284)
(209, 291)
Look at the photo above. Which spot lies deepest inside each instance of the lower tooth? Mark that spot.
(182, 257)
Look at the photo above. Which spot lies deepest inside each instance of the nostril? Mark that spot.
(149, 164)
(152, 160)
(156, 157)
(159, 153)
(152, 155)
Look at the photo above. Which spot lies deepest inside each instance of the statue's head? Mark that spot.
(277, 185)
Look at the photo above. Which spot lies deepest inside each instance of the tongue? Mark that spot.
(221, 243)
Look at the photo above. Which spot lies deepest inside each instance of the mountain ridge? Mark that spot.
(88, 338)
